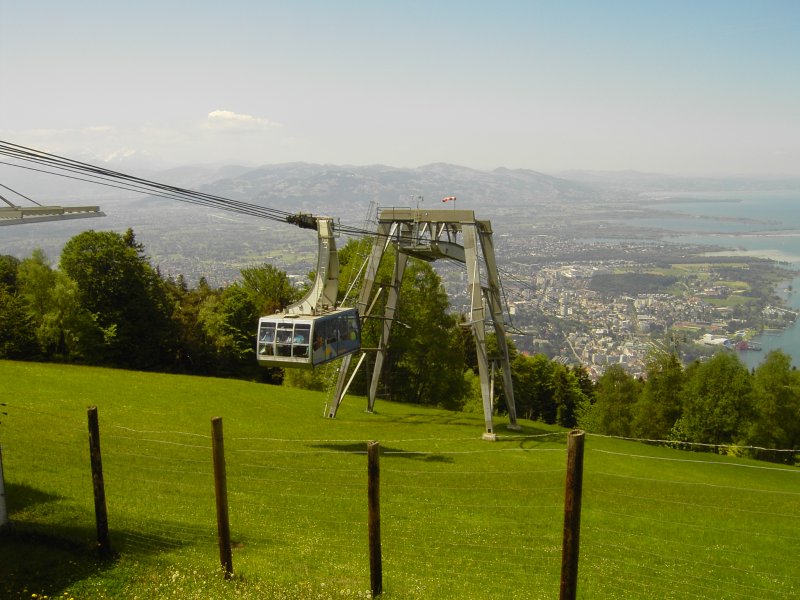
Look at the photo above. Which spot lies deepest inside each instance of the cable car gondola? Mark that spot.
(312, 331)
(304, 341)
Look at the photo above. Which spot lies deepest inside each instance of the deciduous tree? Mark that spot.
(117, 285)
(270, 288)
(17, 327)
(426, 353)
(659, 405)
(534, 387)
(717, 402)
(615, 395)
(229, 321)
(776, 399)
(8, 270)
(35, 281)
(567, 395)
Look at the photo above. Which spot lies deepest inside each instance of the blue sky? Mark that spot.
(690, 87)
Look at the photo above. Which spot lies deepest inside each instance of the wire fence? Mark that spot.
(697, 525)
(460, 517)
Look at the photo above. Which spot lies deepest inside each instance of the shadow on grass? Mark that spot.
(387, 452)
(470, 420)
(48, 558)
(538, 433)
(530, 436)
(19, 497)
(33, 561)
(456, 418)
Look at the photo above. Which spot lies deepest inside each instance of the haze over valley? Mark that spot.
(555, 239)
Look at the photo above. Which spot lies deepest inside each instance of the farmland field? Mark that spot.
(461, 517)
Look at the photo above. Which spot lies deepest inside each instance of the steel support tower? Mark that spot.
(431, 235)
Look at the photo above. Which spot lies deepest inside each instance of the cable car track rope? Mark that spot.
(60, 166)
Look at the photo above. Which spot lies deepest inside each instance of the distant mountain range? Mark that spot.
(306, 186)
(309, 186)
(203, 241)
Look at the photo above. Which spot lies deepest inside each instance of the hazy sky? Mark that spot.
(696, 86)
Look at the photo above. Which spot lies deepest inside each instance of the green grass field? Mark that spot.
(461, 517)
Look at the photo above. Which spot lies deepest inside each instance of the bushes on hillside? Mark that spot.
(106, 304)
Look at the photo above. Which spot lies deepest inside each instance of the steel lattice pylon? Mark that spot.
(432, 235)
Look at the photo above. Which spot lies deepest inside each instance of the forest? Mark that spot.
(105, 304)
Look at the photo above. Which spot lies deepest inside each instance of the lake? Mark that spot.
(762, 223)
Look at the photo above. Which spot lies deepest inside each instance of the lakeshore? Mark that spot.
(787, 340)
(760, 241)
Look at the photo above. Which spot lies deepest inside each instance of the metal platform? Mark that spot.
(16, 215)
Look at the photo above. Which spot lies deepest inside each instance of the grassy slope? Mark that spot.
(461, 518)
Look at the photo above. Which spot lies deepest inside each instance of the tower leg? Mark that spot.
(371, 273)
(502, 345)
(401, 260)
(477, 320)
(341, 380)
(496, 309)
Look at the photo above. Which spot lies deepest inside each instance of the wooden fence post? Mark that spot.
(572, 515)
(374, 499)
(221, 492)
(100, 511)
(3, 509)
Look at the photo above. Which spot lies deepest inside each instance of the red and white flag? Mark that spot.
(449, 198)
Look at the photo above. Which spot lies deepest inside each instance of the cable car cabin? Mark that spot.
(306, 341)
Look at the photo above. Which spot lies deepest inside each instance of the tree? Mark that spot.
(717, 401)
(269, 288)
(126, 296)
(615, 395)
(473, 398)
(229, 322)
(35, 280)
(585, 382)
(352, 258)
(776, 400)
(68, 331)
(659, 406)
(533, 387)
(567, 395)
(17, 327)
(426, 354)
(193, 350)
(425, 360)
(64, 329)
(8, 271)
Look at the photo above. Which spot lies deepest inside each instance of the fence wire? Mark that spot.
(460, 517)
